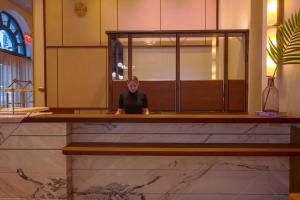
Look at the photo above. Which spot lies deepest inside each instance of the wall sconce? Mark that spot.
(272, 12)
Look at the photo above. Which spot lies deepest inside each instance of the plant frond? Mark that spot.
(288, 42)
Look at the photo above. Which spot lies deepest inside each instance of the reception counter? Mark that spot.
(174, 157)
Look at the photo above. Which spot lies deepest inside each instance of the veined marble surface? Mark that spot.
(184, 178)
(196, 128)
(180, 178)
(32, 165)
(181, 132)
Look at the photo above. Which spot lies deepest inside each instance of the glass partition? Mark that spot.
(182, 71)
(201, 72)
(119, 58)
(236, 72)
(154, 58)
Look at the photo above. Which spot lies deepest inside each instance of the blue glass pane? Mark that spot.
(13, 26)
(19, 38)
(4, 19)
(5, 41)
(21, 50)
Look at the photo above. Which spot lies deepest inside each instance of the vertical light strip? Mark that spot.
(214, 56)
(271, 34)
(272, 22)
(272, 12)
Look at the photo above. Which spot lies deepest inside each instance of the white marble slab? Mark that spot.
(180, 138)
(178, 163)
(42, 129)
(34, 142)
(32, 161)
(94, 195)
(140, 138)
(187, 128)
(7, 129)
(201, 181)
(32, 186)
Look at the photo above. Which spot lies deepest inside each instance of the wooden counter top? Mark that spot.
(160, 118)
(169, 149)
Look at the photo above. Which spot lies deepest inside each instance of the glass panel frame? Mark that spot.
(214, 39)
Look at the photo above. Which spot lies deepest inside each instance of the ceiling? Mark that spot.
(24, 4)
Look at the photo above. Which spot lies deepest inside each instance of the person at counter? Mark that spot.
(133, 101)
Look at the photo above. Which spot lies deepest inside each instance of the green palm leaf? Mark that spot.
(287, 49)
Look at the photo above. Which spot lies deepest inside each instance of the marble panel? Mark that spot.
(200, 181)
(21, 184)
(179, 163)
(11, 118)
(42, 161)
(42, 129)
(7, 129)
(180, 138)
(191, 128)
(34, 142)
(140, 138)
(249, 138)
(138, 196)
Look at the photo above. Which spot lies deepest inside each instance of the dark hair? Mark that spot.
(133, 78)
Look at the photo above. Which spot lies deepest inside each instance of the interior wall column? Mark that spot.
(38, 53)
(255, 56)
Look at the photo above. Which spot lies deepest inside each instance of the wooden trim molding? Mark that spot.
(177, 149)
(160, 118)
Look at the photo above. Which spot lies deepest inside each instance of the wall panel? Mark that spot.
(108, 18)
(81, 30)
(234, 14)
(53, 13)
(211, 14)
(182, 14)
(82, 77)
(139, 15)
(51, 73)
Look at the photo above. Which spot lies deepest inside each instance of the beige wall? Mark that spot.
(38, 53)
(64, 29)
(234, 14)
(289, 75)
(256, 55)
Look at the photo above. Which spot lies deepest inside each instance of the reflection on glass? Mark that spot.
(201, 58)
(154, 58)
(5, 41)
(119, 59)
(236, 58)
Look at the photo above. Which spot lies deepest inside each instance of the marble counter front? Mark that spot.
(32, 165)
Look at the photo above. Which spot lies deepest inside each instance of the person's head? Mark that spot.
(133, 84)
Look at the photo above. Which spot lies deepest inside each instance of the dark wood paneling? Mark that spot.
(177, 149)
(118, 87)
(160, 94)
(201, 95)
(295, 162)
(62, 110)
(236, 91)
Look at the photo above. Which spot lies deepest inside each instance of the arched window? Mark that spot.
(11, 36)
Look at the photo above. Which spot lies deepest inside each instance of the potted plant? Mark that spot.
(286, 51)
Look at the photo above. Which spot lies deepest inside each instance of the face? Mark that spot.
(133, 86)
